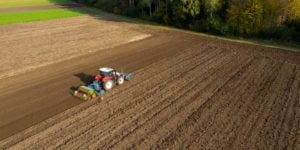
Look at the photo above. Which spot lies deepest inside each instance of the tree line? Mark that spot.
(268, 19)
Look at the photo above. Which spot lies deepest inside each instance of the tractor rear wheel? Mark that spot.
(120, 80)
(108, 85)
(75, 92)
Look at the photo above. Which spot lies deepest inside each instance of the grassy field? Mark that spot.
(33, 15)
(23, 3)
(28, 16)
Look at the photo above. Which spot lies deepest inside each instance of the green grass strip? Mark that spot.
(23, 3)
(28, 16)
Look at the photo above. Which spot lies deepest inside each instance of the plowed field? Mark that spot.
(206, 94)
(28, 46)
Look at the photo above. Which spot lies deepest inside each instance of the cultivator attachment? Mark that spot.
(87, 93)
(127, 76)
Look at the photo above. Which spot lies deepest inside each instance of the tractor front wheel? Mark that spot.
(108, 85)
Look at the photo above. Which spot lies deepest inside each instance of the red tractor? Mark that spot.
(109, 77)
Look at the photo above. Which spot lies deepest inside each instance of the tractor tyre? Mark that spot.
(108, 85)
(120, 80)
(75, 93)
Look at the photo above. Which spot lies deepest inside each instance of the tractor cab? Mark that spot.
(104, 72)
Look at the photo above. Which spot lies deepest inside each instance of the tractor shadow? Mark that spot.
(85, 78)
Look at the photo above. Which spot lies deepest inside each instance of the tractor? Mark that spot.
(104, 81)
(110, 77)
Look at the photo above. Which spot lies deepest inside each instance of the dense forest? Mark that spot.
(268, 19)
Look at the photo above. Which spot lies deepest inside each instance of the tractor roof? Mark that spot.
(105, 69)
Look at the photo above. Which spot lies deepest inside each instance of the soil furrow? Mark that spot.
(290, 115)
(171, 101)
(228, 122)
(264, 114)
(15, 138)
(282, 110)
(89, 116)
(161, 123)
(220, 106)
(247, 112)
(206, 94)
(249, 122)
(31, 129)
(150, 100)
(188, 130)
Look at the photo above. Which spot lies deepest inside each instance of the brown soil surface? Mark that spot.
(31, 45)
(189, 92)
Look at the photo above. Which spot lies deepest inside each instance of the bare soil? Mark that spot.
(189, 92)
(32, 45)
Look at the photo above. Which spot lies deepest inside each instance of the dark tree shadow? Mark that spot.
(97, 13)
(62, 1)
(66, 4)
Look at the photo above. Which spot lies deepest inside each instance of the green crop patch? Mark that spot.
(23, 3)
(40, 15)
